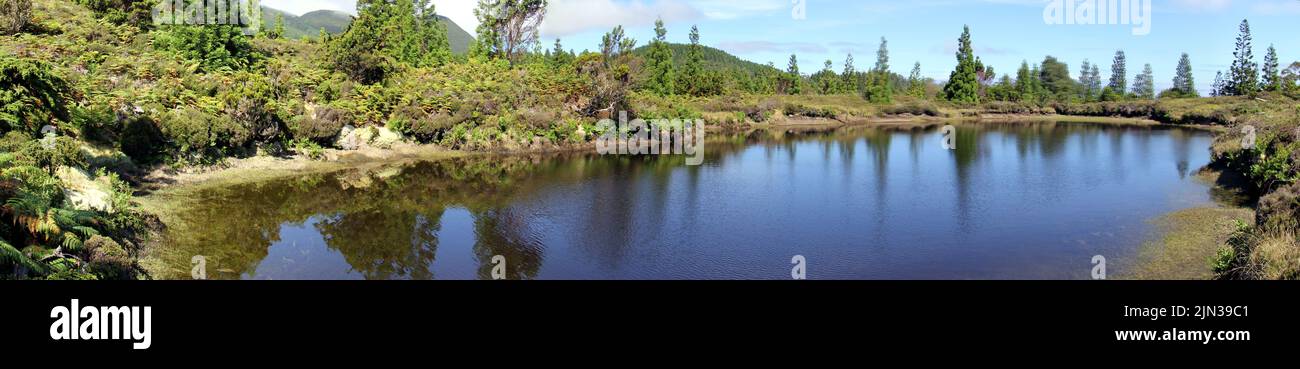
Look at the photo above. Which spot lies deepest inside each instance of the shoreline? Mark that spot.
(261, 168)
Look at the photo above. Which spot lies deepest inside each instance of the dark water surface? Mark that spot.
(1013, 201)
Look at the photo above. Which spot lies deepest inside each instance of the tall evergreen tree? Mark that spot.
(849, 78)
(963, 84)
(1243, 78)
(1119, 73)
(1272, 76)
(660, 62)
(1026, 89)
(916, 83)
(1095, 79)
(692, 78)
(793, 79)
(880, 82)
(1184, 82)
(1220, 85)
(1144, 84)
(1085, 82)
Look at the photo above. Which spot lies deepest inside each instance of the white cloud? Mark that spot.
(567, 17)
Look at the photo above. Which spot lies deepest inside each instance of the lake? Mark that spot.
(1030, 200)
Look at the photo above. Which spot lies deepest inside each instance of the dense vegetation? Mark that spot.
(116, 95)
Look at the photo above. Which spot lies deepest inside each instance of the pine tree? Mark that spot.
(559, 57)
(1025, 83)
(793, 79)
(278, 31)
(660, 63)
(1243, 78)
(848, 79)
(1220, 85)
(1272, 76)
(1119, 73)
(880, 87)
(963, 84)
(692, 77)
(1184, 82)
(1144, 84)
(1095, 79)
(1085, 83)
(916, 83)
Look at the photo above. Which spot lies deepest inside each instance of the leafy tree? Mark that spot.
(1144, 84)
(1184, 81)
(826, 80)
(660, 63)
(14, 16)
(1243, 77)
(1094, 80)
(508, 28)
(963, 84)
(1272, 76)
(1055, 77)
(385, 32)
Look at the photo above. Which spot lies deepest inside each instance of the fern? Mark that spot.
(11, 255)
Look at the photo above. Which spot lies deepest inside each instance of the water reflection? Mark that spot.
(1013, 200)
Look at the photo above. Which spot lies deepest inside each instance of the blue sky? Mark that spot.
(1005, 32)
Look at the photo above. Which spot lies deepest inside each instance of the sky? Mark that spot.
(1004, 32)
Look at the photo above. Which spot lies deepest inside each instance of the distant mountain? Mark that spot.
(335, 22)
(457, 36)
(714, 59)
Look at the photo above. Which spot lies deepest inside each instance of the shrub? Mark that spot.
(1280, 210)
(14, 16)
(799, 110)
(108, 260)
(31, 95)
(142, 139)
(215, 48)
(138, 13)
(321, 125)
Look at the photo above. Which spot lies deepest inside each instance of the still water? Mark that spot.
(1013, 201)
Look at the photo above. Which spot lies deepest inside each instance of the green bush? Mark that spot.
(321, 125)
(31, 95)
(214, 48)
(142, 139)
(14, 16)
(108, 260)
(138, 13)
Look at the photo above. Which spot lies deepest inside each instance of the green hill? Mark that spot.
(714, 59)
(334, 22)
